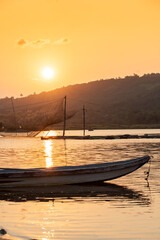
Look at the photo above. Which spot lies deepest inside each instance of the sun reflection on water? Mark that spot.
(48, 153)
(52, 133)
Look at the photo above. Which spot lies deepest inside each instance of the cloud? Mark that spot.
(36, 44)
(39, 43)
(22, 42)
(62, 41)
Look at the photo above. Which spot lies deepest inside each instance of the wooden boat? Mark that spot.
(69, 174)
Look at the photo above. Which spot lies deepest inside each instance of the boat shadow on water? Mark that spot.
(95, 192)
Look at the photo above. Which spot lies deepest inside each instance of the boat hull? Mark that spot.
(69, 175)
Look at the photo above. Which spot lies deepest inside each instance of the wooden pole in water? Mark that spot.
(84, 120)
(64, 126)
(15, 121)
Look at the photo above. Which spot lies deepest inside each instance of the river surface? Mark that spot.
(125, 208)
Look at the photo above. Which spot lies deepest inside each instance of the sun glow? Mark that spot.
(48, 73)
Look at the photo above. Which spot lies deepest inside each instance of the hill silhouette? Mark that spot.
(130, 102)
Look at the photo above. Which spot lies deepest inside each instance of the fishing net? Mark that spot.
(33, 116)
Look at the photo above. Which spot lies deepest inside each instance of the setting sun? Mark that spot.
(47, 73)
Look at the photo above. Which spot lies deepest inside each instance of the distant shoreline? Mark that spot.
(87, 129)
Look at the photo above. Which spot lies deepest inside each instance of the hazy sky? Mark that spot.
(81, 40)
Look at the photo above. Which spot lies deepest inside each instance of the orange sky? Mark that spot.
(82, 41)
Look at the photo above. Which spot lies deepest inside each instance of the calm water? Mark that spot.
(126, 208)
